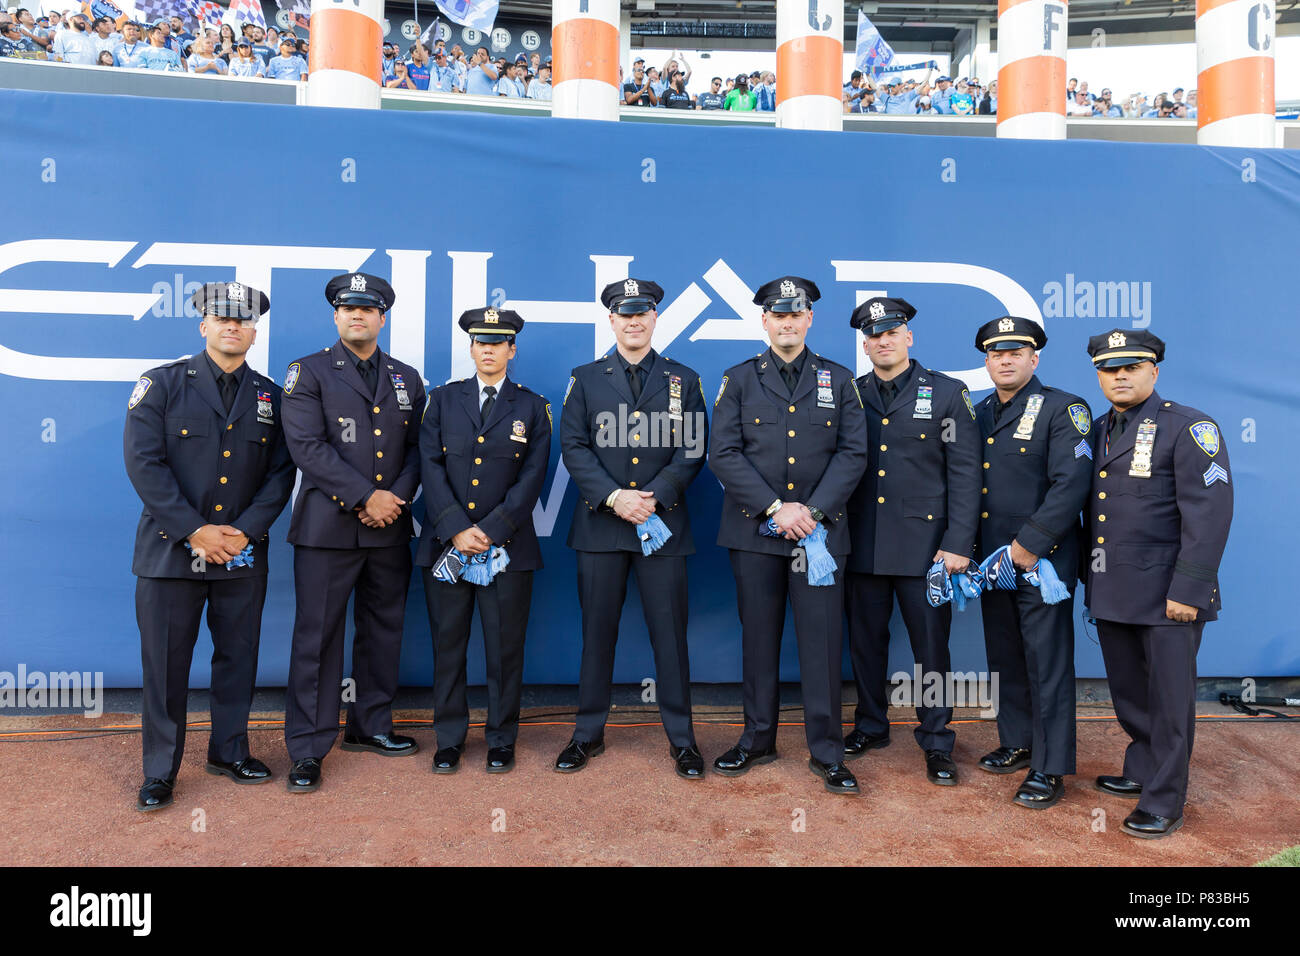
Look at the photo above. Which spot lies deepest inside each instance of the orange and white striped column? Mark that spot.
(810, 64)
(344, 62)
(1031, 68)
(584, 51)
(1234, 63)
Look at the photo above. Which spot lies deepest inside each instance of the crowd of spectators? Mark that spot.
(255, 51)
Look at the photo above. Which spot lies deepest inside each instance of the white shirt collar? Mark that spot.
(482, 385)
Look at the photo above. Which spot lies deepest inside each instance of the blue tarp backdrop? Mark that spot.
(116, 205)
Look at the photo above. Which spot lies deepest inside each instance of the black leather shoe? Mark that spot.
(690, 764)
(738, 760)
(1040, 790)
(248, 770)
(1119, 787)
(1149, 826)
(390, 745)
(837, 776)
(304, 776)
(857, 743)
(1004, 760)
(155, 794)
(500, 759)
(939, 767)
(575, 756)
(447, 759)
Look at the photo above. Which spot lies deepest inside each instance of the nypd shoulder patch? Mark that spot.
(965, 394)
(549, 420)
(138, 393)
(1081, 417)
(854, 383)
(291, 378)
(1215, 472)
(1206, 435)
(721, 388)
(568, 388)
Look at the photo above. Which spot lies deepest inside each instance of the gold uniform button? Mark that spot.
(263, 439)
(1101, 494)
(375, 409)
(224, 479)
(881, 473)
(984, 514)
(636, 414)
(379, 454)
(790, 461)
(756, 421)
(790, 433)
(478, 461)
(884, 448)
(631, 484)
(880, 501)
(379, 431)
(636, 461)
(828, 421)
(228, 427)
(636, 437)
(1101, 540)
(986, 464)
(379, 477)
(790, 486)
(1101, 474)
(334, 497)
(225, 454)
(216, 508)
(984, 491)
(474, 481)
(1101, 517)
(471, 506)
(1022, 451)
(340, 421)
(884, 421)
(922, 434)
(1167, 404)
(791, 408)
(929, 517)
(185, 431)
(480, 439)
(989, 440)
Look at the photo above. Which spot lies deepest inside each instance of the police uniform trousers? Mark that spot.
(503, 616)
(870, 605)
(1030, 647)
(764, 582)
(602, 588)
(324, 579)
(1152, 677)
(168, 612)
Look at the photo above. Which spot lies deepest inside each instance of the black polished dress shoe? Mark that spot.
(447, 759)
(690, 764)
(837, 776)
(500, 759)
(1149, 826)
(1005, 760)
(155, 794)
(304, 776)
(575, 756)
(1119, 787)
(857, 743)
(248, 770)
(939, 767)
(390, 745)
(738, 760)
(1040, 790)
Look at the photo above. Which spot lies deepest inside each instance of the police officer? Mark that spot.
(351, 418)
(1157, 521)
(1037, 470)
(917, 503)
(485, 443)
(204, 449)
(633, 433)
(788, 445)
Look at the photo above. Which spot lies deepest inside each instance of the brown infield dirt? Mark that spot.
(72, 802)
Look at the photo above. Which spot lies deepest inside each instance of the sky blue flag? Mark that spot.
(872, 51)
(479, 14)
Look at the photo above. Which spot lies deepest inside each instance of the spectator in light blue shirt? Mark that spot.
(442, 79)
(130, 52)
(765, 93)
(288, 65)
(1104, 107)
(899, 101)
(202, 59)
(540, 88)
(941, 98)
(244, 63)
(158, 55)
(389, 60)
(482, 79)
(510, 84)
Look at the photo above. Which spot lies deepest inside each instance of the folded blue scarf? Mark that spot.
(653, 533)
(821, 566)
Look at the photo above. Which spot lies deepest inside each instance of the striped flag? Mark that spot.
(151, 11)
(207, 12)
(871, 52)
(245, 11)
(479, 14)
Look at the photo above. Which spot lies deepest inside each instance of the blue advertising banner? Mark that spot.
(119, 207)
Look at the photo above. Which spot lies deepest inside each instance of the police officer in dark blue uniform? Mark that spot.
(352, 421)
(633, 433)
(789, 443)
(204, 449)
(485, 443)
(1157, 521)
(917, 503)
(1037, 471)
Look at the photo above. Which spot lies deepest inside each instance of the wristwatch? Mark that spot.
(773, 508)
(817, 513)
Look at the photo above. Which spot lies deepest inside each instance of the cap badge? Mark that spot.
(788, 290)
(1007, 325)
(235, 291)
(1117, 340)
(358, 283)
(877, 310)
(491, 316)
(630, 287)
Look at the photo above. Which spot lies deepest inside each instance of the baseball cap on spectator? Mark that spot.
(521, 58)
(388, 44)
(287, 41)
(244, 41)
(944, 79)
(924, 100)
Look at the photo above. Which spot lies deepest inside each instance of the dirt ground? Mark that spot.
(627, 807)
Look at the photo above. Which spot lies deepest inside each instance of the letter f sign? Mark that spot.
(1050, 12)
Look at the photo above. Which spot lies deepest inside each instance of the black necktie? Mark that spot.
(887, 391)
(491, 392)
(1118, 422)
(790, 376)
(999, 408)
(634, 380)
(228, 388)
(369, 374)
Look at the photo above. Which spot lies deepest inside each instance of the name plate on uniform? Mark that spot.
(924, 397)
(675, 397)
(1025, 427)
(264, 409)
(399, 389)
(825, 394)
(1143, 446)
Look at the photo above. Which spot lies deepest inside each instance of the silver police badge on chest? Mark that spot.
(399, 389)
(264, 407)
(825, 394)
(1143, 448)
(675, 397)
(924, 399)
(1025, 427)
(517, 431)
